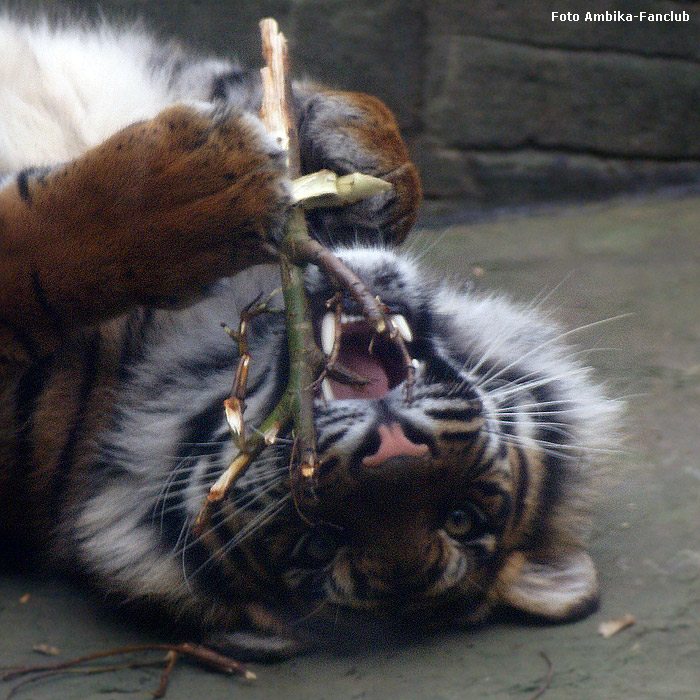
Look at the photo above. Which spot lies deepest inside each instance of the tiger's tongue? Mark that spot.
(355, 355)
(369, 368)
(392, 439)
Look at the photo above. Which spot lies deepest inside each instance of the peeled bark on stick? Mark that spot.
(276, 114)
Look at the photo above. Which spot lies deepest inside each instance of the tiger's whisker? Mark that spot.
(553, 341)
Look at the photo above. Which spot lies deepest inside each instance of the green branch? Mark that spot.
(297, 249)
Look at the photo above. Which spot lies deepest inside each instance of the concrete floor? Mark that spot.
(638, 257)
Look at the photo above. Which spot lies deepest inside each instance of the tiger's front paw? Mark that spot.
(201, 178)
(215, 171)
(352, 132)
(160, 210)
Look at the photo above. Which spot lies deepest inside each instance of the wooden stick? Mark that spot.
(274, 112)
(297, 249)
(194, 652)
(547, 680)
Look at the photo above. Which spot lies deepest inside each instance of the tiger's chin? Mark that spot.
(342, 630)
(559, 591)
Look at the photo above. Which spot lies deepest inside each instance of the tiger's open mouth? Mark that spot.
(352, 343)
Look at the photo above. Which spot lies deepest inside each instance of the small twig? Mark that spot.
(192, 652)
(304, 249)
(234, 405)
(274, 111)
(82, 671)
(264, 436)
(547, 681)
(171, 659)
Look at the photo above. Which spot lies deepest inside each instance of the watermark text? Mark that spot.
(620, 16)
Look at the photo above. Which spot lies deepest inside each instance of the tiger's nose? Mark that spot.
(393, 445)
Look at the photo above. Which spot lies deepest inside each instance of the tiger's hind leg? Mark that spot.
(151, 216)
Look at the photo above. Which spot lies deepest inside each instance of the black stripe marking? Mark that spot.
(28, 391)
(337, 414)
(523, 482)
(198, 558)
(23, 185)
(44, 305)
(479, 465)
(204, 365)
(27, 397)
(361, 587)
(134, 343)
(487, 490)
(215, 360)
(204, 558)
(464, 414)
(556, 471)
(419, 437)
(327, 440)
(197, 441)
(67, 458)
(31, 347)
(433, 574)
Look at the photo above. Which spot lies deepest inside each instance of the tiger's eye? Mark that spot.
(465, 523)
(316, 547)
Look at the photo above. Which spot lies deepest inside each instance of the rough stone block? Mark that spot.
(531, 23)
(490, 94)
(375, 47)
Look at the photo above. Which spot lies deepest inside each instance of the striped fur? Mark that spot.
(132, 205)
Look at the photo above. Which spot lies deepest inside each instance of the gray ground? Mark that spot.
(640, 257)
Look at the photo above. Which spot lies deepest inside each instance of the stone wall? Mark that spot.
(500, 104)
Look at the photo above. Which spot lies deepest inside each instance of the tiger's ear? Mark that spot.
(559, 587)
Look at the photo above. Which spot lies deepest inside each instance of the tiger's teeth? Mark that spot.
(401, 325)
(327, 391)
(328, 333)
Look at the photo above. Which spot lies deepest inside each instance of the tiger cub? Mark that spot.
(139, 193)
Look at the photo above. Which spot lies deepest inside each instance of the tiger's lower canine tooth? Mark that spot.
(328, 333)
(401, 325)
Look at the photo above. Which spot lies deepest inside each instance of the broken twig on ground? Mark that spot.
(191, 652)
